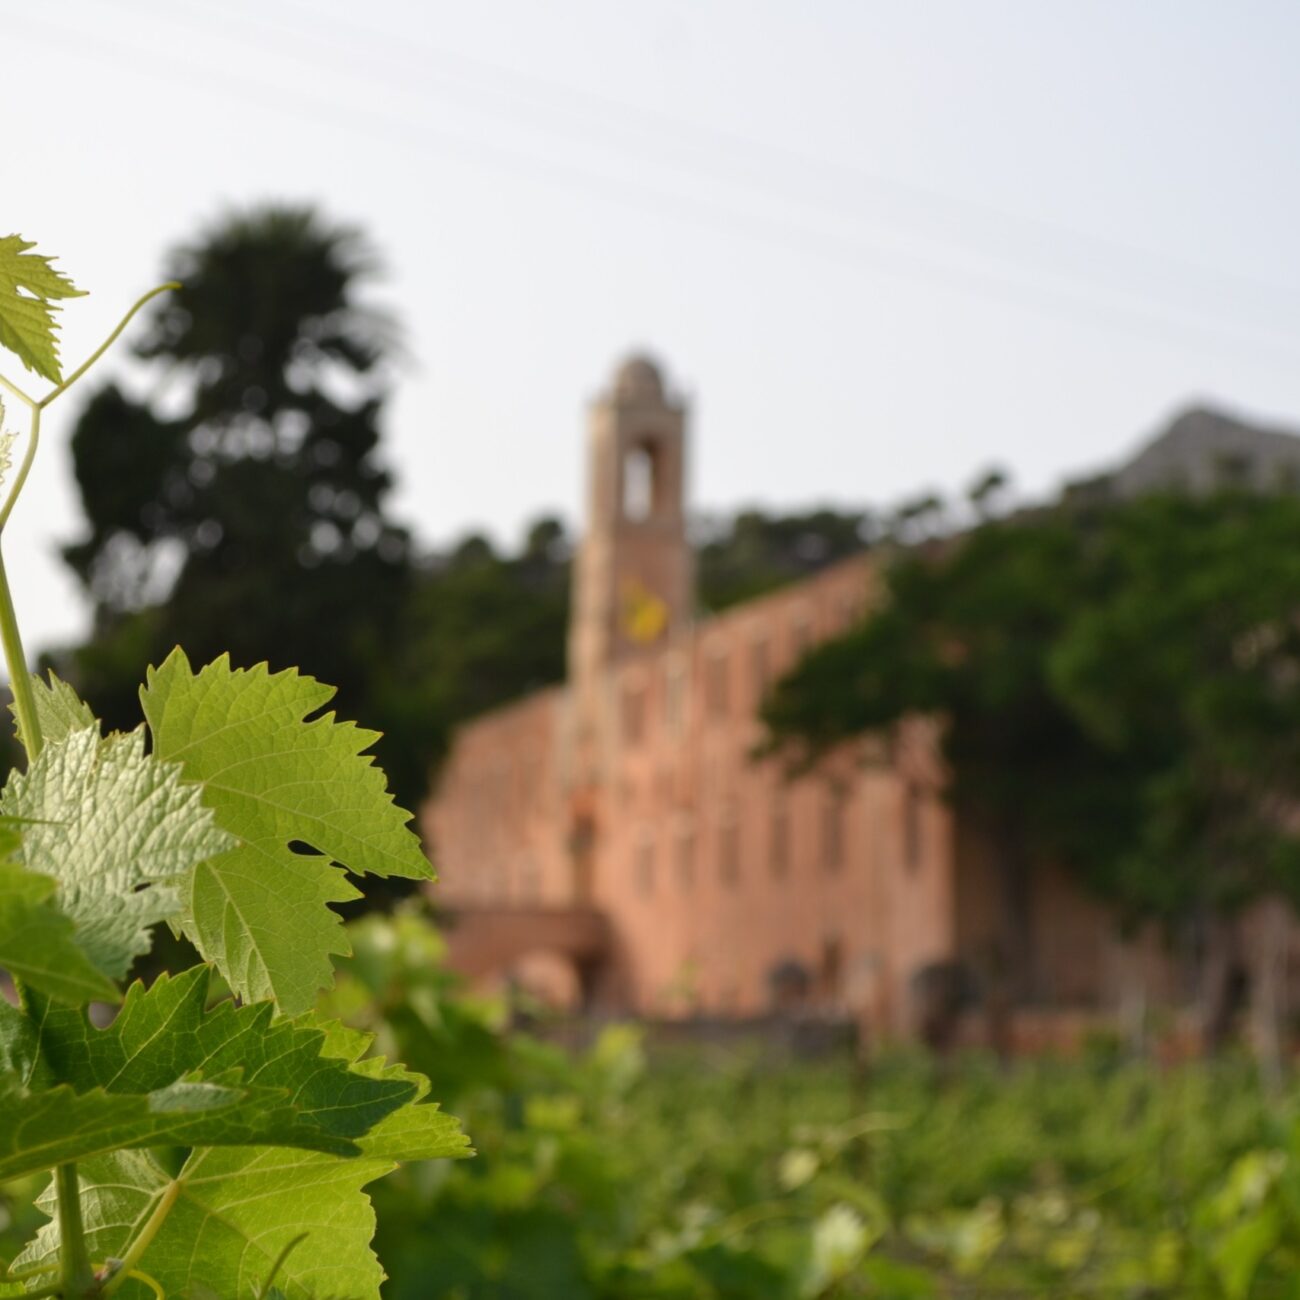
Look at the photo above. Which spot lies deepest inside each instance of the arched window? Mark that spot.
(645, 864)
(780, 832)
(729, 849)
(833, 829)
(912, 829)
(640, 490)
(685, 858)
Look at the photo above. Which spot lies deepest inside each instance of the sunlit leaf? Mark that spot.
(260, 910)
(29, 289)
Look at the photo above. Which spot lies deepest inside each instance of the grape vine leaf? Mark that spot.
(29, 287)
(17, 1040)
(273, 777)
(38, 943)
(415, 1132)
(41, 1129)
(119, 832)
(165, 1033)
(169, 1071)
(59, 710)
(235, 1211)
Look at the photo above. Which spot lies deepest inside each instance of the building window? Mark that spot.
(582, 857)
(530, 882)
(645, 865)
(633, 715)
(715, 685)
(530, 783)
(503, 788)
(912, 845)
(760, 668)
(675, 699)
(639, 484)
(780, 845)
(831, 970)
(686, 859)
(833, 830)
(729, 851)
(664, 790)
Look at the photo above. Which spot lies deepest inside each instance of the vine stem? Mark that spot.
(29, 455)
(16, 391)
(76, 1275)
(36, 407)
(20, 681)
(54, 1289)
(150, 1230)
(106, 344)
(151, 1283)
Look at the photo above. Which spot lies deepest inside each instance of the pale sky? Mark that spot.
(880, 245)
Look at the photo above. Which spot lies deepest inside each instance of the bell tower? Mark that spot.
(633, 580)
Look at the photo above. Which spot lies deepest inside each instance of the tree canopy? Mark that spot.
(1186, 663)
(1119, 691)
(240, 504)
(754, 551)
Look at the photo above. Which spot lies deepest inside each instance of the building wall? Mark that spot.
(727, 882)
(627, 812)
(496, 821)
(716, 866)
(713, 867)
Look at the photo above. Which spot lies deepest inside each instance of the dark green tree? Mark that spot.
(1187, 663)
(480, 629)
(754, 552)
(240, 504)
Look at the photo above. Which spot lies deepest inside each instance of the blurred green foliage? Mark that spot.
(736, 1174)
(754, 551)
(726, 1173)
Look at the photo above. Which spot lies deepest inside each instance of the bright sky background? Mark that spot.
(880, 245)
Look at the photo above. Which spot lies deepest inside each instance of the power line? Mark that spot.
(593, 109)
(1138, 317)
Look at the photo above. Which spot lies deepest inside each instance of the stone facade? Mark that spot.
(614, 842)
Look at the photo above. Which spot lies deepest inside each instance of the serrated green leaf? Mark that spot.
(261, 911)
(59, 710)
(39, 1130)
(419, 1132)
(38, 943)
(118, 831)
(165, 1033)
(416, 1132)
(168, 1072)
(235, 1211)
(29, 288)
(233, 1214)
(17, 1041)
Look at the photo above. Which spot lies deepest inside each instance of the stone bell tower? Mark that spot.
(633, 580)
